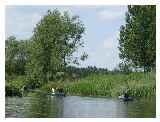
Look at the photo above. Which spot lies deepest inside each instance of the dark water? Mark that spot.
(74, 106)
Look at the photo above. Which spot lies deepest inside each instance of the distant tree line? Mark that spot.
(79, 72)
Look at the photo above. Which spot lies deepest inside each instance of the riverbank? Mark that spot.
(110, 85)
(14, 85)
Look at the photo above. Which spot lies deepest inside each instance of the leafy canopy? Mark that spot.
(137, 42)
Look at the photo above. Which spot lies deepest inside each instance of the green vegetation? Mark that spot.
(45, 56)
(56, 37)
(44, 61)
(137, 42)
(110, 85)
(14, 86)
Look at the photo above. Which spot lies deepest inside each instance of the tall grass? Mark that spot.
(136, 84)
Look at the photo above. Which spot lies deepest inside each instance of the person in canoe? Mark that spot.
(53, 91)
(125, 97)
(58, 91)
(61, 91)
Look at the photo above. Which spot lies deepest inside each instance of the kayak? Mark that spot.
(125, 99)
(58, 94)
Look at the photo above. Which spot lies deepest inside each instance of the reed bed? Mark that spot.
(112, 85)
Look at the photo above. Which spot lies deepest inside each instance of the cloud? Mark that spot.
(111, 42)
(108, 43)
(21, 23)
(110, 52)
(110, 14)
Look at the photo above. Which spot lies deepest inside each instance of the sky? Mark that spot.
(101, 36)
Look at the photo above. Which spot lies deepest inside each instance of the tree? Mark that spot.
(137, 42)
(55, 38)
(125, 67)
(16, 56)
(84, 56)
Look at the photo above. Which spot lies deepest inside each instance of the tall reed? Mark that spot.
(112, 85)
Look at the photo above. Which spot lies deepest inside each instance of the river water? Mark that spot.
(42, 106)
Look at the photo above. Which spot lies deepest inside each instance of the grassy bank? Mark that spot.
(111, 85)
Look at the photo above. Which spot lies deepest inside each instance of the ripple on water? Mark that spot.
(75, 106)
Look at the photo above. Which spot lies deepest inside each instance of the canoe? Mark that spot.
(125, 99)
(58, 94)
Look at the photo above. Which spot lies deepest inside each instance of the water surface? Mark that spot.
(74, 106)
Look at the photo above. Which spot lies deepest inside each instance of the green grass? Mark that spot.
(112, 85)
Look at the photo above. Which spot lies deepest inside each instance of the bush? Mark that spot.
(15, 87)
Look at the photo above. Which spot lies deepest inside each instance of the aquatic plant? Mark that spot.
(112, 85)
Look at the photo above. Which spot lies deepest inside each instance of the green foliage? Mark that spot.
(84, 56)
(125, 67)
(16, 55)
(48, 54)
(14, 86)
(138, 37)
(137, 84)
(56, 37)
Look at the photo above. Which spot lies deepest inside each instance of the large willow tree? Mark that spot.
(137, 43)
(56, 37)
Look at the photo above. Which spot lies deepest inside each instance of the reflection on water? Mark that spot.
(74, 106)
(92, 107)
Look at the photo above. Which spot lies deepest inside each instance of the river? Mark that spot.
(43, 106)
